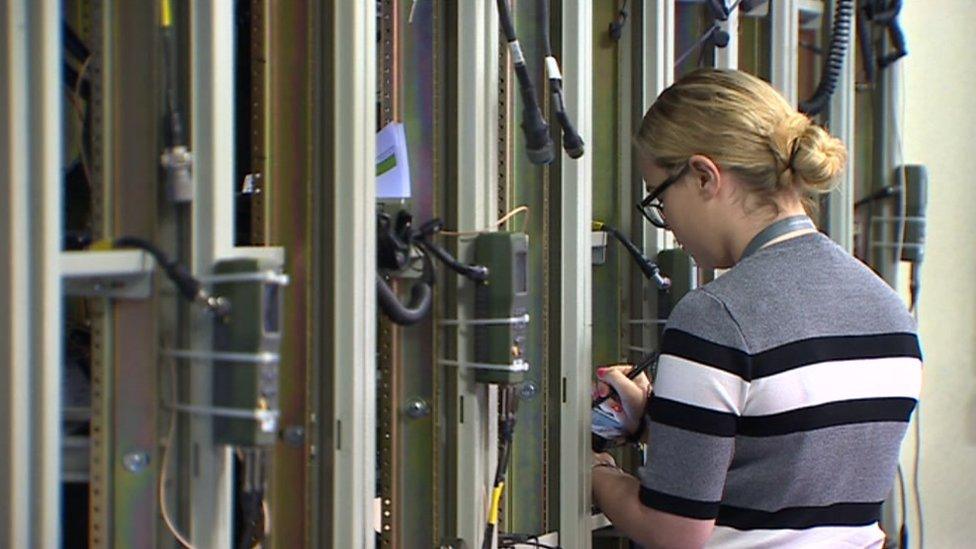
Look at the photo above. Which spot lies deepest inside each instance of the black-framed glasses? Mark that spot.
(652, 208)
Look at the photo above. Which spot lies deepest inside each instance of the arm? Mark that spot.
(699, 392)
(616, 493)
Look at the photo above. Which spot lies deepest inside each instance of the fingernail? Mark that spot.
(600, 372)
(617, 408)
(603, 391)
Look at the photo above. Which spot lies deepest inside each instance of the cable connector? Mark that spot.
(178, 163)
(649, 268)
(186, 284)
(216, 305)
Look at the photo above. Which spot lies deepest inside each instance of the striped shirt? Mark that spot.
(783, 392)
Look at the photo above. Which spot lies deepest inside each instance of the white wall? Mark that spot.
(940, 132)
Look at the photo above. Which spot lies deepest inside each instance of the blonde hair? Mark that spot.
(742, 124)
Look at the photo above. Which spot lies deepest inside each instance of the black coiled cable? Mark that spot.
(834, 64)
(421, 298)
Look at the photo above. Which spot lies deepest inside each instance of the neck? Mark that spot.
(753, 226)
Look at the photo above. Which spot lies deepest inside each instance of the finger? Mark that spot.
(630, 394)
(643, 382)
(602, 389)
(602, 370)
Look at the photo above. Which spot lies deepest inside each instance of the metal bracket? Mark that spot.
(120, 274)
(646, 321)
(895, 219)
(517, 365)
(247, 358)
(267, 418)
(269, 276)
(523, 319)
(598, 246)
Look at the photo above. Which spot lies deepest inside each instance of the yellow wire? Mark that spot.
(496, 498)
(166, 18)
(499, 223)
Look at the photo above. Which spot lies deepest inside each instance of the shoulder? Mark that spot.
(703, 315)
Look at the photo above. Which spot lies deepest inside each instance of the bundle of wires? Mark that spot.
(509, 406)
(572, 142)
(538, 143)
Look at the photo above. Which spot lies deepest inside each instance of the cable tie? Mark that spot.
(552, 69)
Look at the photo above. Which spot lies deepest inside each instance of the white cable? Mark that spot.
(164, 461)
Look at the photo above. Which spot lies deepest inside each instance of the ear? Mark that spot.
(708, 177)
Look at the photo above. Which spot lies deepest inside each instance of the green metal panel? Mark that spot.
(282, 98)
(609, 279)
(529, 502)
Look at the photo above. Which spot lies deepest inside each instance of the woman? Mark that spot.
(785, 386)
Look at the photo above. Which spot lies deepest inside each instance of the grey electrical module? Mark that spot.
(500, 300)
(246, 344)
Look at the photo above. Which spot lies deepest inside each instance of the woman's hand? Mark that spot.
(632, 394)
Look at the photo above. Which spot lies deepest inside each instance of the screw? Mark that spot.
(293, 435)
(528, 390)
(136, 461)
(417, 408)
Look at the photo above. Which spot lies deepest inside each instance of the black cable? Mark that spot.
(538, 142)
(422, 238)
(395, 240)
(176, 137)
(544, 25)
(510, 401)
(71, 81)
(616, 27)
(719, 37)
(866, 41)
(572, 142)
(189, 287)
(477, 273)
(889, 18)
(880, 194)
(73, 43)
(252, 513)
(649, 268)
(834, 64)
(421, 298)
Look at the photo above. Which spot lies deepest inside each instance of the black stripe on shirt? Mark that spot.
(827, 349)
(790, 356)
(678, 505)
(838, 514)
(691, 347)
(844, 412)
(691, 418)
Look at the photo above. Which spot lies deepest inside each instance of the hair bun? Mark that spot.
(816, 161)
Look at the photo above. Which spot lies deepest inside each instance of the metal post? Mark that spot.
(212, 118)
(30, 286)
(840, 223)
(728, 57)
(658, 74)
(575, 286)
(477, 136)
(888, 125)
(785, 32)
(354, 347)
